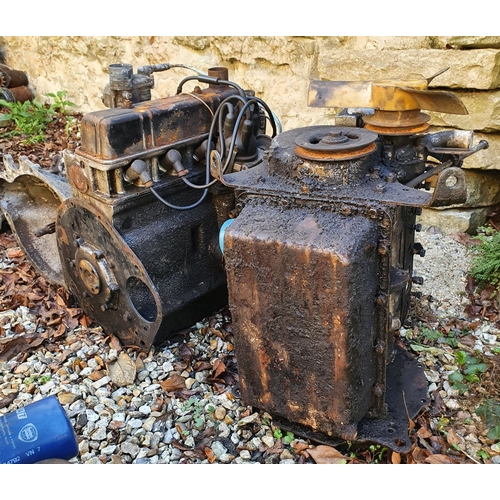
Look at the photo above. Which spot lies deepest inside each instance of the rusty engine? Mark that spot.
(171, 208)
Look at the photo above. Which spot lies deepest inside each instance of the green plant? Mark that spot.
(482, 454)
(470, 370)
(289, 437)
(277, 433)
(485, 266)
(61, 105)
(36, 379)
(490, 412)
(430, 336)
(30, 119)
(377, 453)
(197, 408)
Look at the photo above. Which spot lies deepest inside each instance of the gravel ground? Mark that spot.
(180, 403)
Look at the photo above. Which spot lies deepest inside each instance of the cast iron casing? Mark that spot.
(319, 264)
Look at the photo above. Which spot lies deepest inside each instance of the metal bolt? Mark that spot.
(418, 280)
(126, 316)
(383, 250)
(379, 188)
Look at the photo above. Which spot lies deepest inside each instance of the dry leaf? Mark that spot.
(14, 253)
(185, 353)
(439, 459)
(453, 438)
(424, 432)
(210, 455)
(300, 446)
(173, 383)
(122, 371)
(323, 454)
(114, 343)
(395, 458)
(13, 348)
(219, 367)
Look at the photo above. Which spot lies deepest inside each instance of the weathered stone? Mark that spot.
(483, 188)
(453, 220)
(483, 108)
(469, 69)
(473, 42)
(485, 159)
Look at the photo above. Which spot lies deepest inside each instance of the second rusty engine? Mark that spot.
(320, 260)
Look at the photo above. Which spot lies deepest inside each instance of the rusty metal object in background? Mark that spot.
(12, 77)
(14, 85)
(320, 268)
(17, 94)
(131, 228)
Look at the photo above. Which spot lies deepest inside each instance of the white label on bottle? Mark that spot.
(28, 434)
(21, 413)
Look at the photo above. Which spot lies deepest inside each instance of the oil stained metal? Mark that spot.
(319, 264)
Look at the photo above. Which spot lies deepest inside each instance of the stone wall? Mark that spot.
(279, 70)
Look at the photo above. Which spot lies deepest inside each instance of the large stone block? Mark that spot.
(454, 220)
(469, 69)
(473, 42)
(483, 108)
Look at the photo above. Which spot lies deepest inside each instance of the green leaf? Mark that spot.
(472, 378)
(456, 376)
(461, 357)
(475, 368)
(482, 454)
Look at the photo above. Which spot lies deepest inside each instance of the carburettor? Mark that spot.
(320, 260)
(131, 227)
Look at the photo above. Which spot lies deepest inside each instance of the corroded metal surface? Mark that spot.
(320, 271)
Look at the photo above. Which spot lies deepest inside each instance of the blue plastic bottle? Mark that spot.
(39, 431)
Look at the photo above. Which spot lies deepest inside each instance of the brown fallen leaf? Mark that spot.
(14, 347)
(453, 438)
(395, 458)
(122, 371)
(202, 365)
(300, 446)
(7, 400)
(186, 353)
(14, 253)
(419, 455)
(424, 432)
(173, 383)
(97, 375)
(323, 454)
(210, 455)
(218, 368)
(440, 459)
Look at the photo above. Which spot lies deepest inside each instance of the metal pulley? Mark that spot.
(326, 143)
